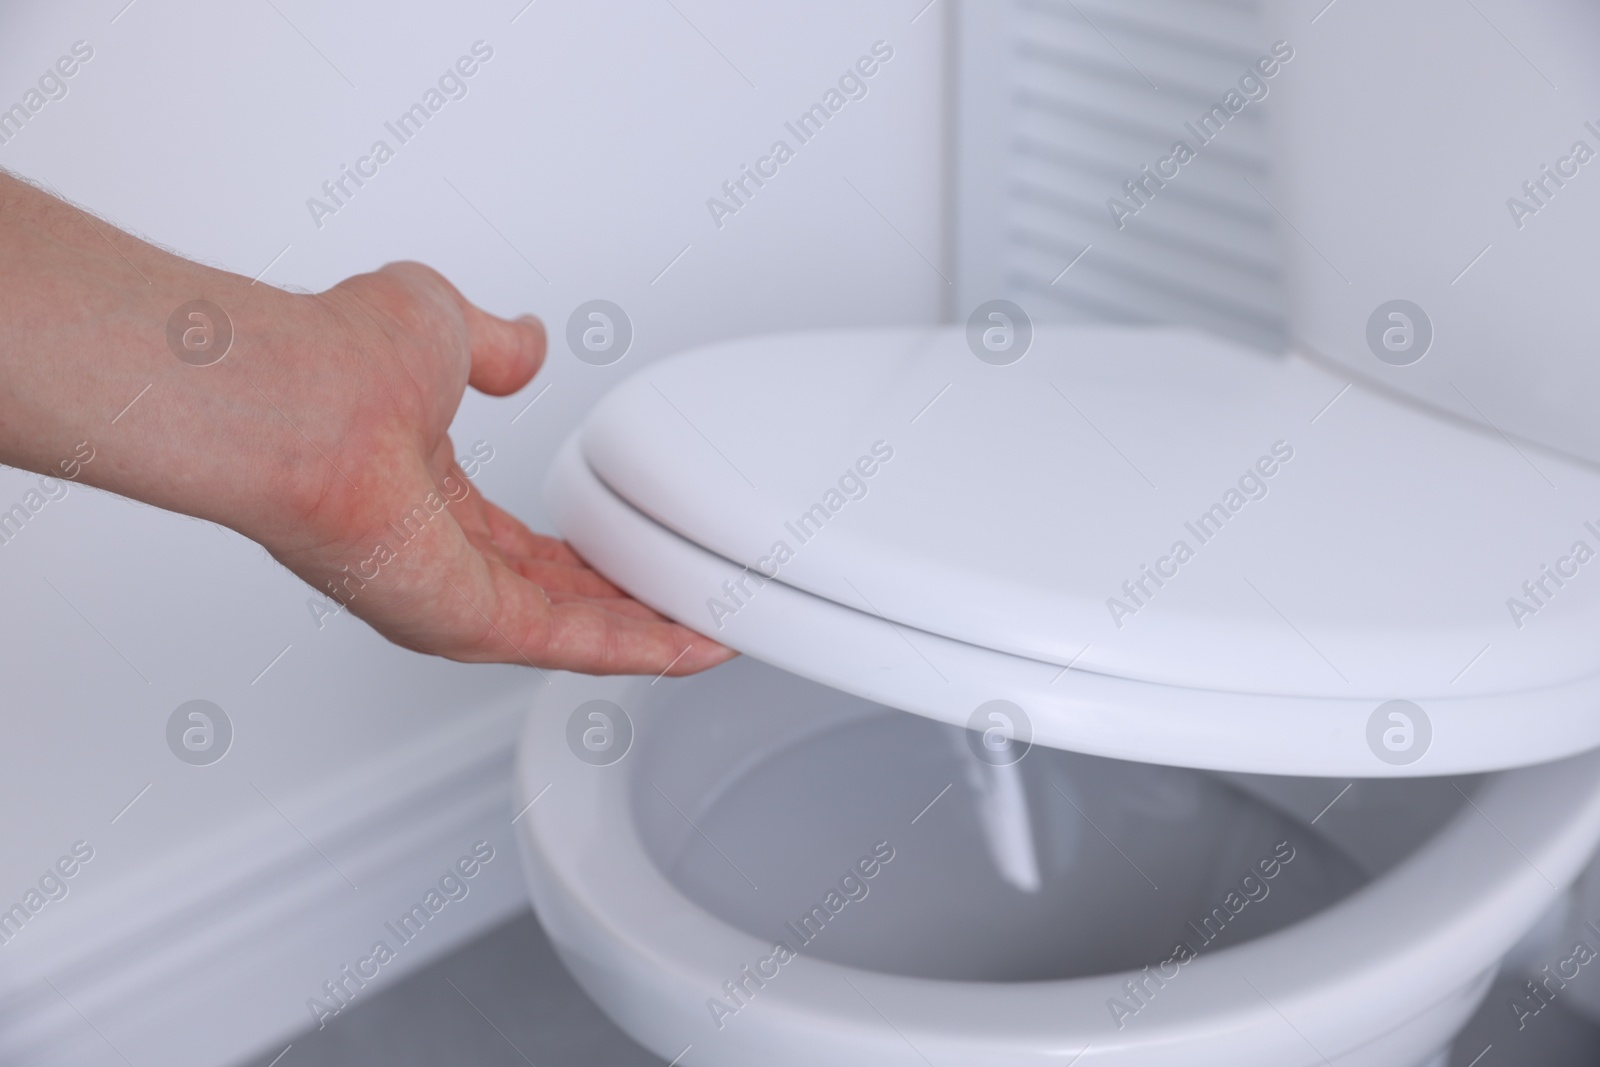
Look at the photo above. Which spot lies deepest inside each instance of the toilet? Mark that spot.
(1110, 695)
(1069, 831)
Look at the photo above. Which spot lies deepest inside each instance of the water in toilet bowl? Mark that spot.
(877, 841)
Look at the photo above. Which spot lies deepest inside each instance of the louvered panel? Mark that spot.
(1061, 102)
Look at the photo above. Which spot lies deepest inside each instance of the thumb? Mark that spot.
(505, 354)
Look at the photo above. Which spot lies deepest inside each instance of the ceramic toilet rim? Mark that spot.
(1097, 714)
(596, 886)
(677, 938)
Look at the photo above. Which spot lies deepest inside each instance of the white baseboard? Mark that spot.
(210, 959)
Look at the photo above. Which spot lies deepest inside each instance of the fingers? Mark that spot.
(570, 632)
(560, 578)
(546, 561)
(505, 354)
(510, 535)
(621, 603)
(588, 637)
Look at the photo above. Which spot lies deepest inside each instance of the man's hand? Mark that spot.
(322, 434)
(394, 529)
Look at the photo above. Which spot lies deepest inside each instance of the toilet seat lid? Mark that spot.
(1151, 505)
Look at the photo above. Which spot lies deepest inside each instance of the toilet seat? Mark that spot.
(1382, 977)
(1209, 672)
(1082, 710)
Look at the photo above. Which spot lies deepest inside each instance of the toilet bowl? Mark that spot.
(1165, 926)
(1286, 799)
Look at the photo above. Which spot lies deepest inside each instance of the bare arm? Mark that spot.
(319, 430)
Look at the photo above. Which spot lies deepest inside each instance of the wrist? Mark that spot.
(200, 412)
(249, 439)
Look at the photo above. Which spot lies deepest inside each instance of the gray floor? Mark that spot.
(506, 1001)
(502, 1001)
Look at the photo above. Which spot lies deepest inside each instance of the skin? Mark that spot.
(325, 424)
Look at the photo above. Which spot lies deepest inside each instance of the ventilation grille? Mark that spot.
(1059, 103)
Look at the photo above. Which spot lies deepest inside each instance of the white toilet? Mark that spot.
(675, 830)
(1111, 696)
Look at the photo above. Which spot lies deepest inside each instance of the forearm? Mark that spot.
(86, 367)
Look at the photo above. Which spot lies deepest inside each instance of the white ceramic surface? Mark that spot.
(1017, 505)
(1381, 977)
(1376, 562)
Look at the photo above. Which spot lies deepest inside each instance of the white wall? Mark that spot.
(591, 141)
